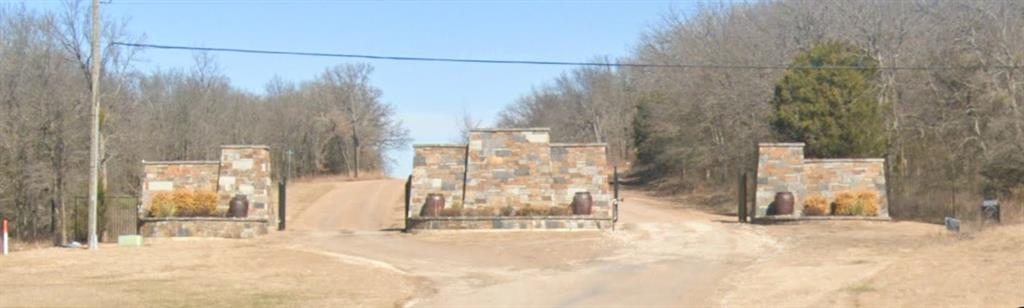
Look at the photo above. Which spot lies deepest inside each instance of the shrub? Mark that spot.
(162, 205)
(457, 205)
(183, 203)
(530, 211)
(450, 212)
(203, 203)
(868, 201)
(508, 210)
(859, 204)
(559, 211)
(843, 205)
(816, 205)
(484, 211)
(836, 112)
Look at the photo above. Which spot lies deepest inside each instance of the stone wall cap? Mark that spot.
(781, 144)
(524, 129)
(504, 218)
(439, 145)
(592, 144)
(181, 162)
(245, 146)
(227, 219)
(843, 160)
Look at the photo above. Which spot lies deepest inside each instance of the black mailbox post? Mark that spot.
(990, 211)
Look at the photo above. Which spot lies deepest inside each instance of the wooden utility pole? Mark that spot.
(94, 147)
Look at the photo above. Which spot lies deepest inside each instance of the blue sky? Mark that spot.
(428, 97)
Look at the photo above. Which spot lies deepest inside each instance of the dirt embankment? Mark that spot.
(662, 254)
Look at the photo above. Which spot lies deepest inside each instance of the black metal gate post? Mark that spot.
(408, 191)
(282, 188)
(741, 211)
(615, 213)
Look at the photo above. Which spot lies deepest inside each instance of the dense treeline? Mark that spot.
(334, 123)
(948, 133)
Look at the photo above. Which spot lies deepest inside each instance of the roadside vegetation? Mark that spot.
(935, 88)
(335, 123)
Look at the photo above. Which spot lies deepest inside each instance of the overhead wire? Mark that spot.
(556, 63)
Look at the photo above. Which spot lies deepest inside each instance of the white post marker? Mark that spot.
(5, 237)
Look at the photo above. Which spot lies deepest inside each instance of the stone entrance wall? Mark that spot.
(826, 177)
(782, 167)
(242, 169)
(515, 168)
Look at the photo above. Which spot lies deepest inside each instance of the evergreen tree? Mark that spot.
(832, 107)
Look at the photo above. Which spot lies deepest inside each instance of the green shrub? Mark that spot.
(836, 112)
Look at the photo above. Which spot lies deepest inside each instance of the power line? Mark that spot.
(555, 63)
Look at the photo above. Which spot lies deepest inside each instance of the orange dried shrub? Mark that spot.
(451, 212)
(559, 211)
(483, 211)
(204, 203)
(843, 205)
(863, 203)
(531, 211)
(868, 203)
(816, 205)
(162, 205)
(183, 203)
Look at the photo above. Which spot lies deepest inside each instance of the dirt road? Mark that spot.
(341, 249)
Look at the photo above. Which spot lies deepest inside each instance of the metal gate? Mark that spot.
(121, 217)
(118, 215)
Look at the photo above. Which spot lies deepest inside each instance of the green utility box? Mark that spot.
(129, 241)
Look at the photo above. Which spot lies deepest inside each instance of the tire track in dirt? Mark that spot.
(662, 255)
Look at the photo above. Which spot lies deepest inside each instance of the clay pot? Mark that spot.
(582, 202)
(238, 206)
(783, 203)
(432, 206)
